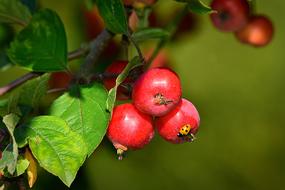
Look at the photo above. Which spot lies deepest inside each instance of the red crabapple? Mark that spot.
(157, 91)
(231, 15)
(129, 128)
(180, 125)
(258, 32)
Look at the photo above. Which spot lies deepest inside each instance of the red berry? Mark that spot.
(129, 128)
(123, 93)
(258, 32)
(231, 15)
(180, 125)
(157, 91)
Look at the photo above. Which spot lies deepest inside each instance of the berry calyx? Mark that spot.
(230, 15)
(129, 129)
(180, 125)
(157, 91)
(258, 32)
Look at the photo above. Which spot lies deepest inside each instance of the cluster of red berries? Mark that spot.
(236, 16)
(156, 103)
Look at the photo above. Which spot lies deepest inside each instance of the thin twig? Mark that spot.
(78, 53)
(171, 27)
(54, 90)
(18, 82)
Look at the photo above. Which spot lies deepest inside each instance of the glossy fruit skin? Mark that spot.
(258, 32)
(232, 15)
(129, 128)
(116, 68)
(170, 125)
(157, 91)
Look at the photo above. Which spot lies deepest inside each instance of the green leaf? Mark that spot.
(42, 45)
(57, 148)
(13, 11)
(150, 33)
(84, 109)
(197, 6)
(10, 154)
(113, 91)
(27, 96)
(32, 92)
(113, 13)
(3, 107)
(22, 165)
(8, 159)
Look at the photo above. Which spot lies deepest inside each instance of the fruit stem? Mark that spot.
(120, 153)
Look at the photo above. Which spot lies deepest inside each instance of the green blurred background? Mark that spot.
(239, 92)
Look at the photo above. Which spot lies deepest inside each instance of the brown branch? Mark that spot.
(18, 82)
(96, 48)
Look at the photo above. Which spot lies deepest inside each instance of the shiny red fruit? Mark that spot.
(171, 126)
(258, 32)
(129, 128)
(123, 93)
(231, 15)
(157, 91)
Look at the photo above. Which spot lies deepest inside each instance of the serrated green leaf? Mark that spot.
(113, 13)
(197, 6)
(113, 91)
(22, 165)
(84, 109)
(57, 148)
(13, 11)
(42, 45)
(150, 33)
(10, 154)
